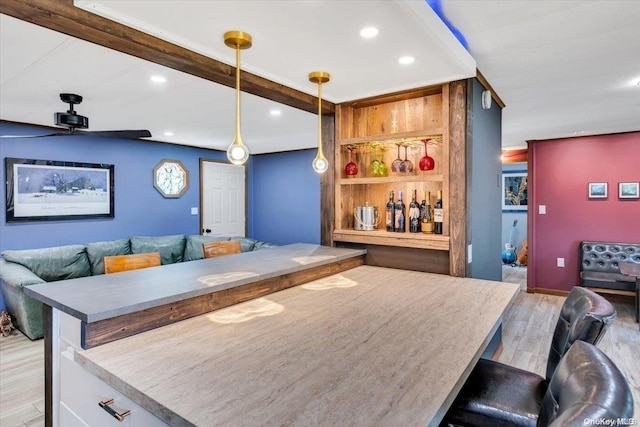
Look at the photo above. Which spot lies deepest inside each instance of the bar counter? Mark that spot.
(368, 346)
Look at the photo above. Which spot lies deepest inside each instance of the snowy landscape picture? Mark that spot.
(46, 190)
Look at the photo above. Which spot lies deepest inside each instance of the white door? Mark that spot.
(223, 199)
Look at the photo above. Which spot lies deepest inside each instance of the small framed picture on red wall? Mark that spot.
(598, 190)
(629, 190)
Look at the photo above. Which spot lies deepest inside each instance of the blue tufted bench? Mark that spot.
(599, 267)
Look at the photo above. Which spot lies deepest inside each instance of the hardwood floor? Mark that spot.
(21, 381)
(527, 331)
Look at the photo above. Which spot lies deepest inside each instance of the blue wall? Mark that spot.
(286, 193)
(139, 208)
(283, 202)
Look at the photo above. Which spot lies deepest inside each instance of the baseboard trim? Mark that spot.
(556, 292)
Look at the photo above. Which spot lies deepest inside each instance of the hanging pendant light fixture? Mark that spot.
(237, 153)
(320, 163)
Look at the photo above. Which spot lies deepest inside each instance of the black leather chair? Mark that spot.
(496, 394)
(586, 385)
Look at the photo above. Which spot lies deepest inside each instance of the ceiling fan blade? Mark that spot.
(125, 134)
(34, 136)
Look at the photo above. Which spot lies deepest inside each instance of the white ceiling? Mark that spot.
(562, 68)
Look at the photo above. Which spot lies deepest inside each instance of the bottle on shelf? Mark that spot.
(414, 215)
(438, 214)
(390, 214)
(399, 223)
(425, 213)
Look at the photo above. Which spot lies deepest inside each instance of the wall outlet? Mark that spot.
(194, 211)
(560, 262)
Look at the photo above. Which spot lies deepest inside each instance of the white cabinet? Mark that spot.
(77, 393)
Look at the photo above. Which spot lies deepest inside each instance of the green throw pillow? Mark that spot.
(96, 252)
(171, 248)
(193, 248)
(52, 264)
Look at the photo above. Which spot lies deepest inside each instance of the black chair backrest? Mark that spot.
(584, 316)
(586, 385)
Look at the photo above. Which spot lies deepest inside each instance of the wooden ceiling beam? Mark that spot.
(62, 16)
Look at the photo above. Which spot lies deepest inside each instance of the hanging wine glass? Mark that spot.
(407, 165)
(384, 170)
(395, 165)
(374, 166)
(426, 163)
(351, 169)
(377, 167)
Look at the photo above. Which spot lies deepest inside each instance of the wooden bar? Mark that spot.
(108, 330)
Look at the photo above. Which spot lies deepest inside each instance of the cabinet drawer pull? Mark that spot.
(120, 416)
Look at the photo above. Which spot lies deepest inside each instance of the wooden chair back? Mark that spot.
(116, 263)
(214, 249)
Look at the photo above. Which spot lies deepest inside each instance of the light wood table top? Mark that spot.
(369, 346)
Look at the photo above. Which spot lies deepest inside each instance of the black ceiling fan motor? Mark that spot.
(70, 119)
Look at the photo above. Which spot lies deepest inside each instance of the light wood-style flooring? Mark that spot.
(527, 331)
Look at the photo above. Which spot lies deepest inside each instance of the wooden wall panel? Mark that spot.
(457, 174)
(328, 182)
(430, 261)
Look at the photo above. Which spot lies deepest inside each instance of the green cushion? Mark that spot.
(52, 264)
(171, 248)
(263, 245)
(193, 248)
(96, 252)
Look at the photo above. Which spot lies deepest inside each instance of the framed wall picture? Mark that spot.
(51, 190)
(629, 190)
(514, 191)
(598, 190)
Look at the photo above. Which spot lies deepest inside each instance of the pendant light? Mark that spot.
(237, 153)
(320, 163)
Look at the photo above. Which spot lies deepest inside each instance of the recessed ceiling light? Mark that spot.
(168, 133)
(158, 79)
(405, 60)
(275, 112)
(368, 32)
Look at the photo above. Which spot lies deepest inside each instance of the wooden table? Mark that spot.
(632, 269)
(368, 346)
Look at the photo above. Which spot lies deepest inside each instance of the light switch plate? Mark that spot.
(542, 209)
(194, 211)
(560, 262)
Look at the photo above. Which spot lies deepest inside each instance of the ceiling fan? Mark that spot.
(74, 121)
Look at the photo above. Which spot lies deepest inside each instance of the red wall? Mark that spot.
(559, 173)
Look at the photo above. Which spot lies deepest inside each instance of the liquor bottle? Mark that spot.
(414, 215)
(399, 223)
(438, 214)
(390, 217)
(425, 213)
